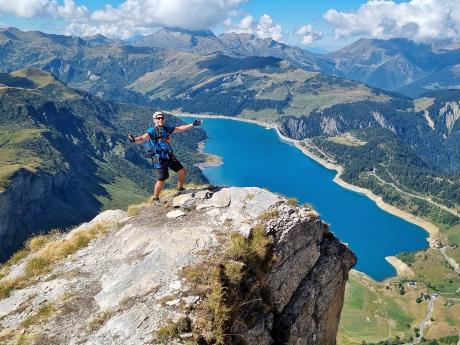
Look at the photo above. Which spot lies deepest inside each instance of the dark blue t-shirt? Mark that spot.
(167, 129)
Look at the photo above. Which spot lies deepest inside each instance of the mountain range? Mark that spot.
(399, 65)
(395, 65)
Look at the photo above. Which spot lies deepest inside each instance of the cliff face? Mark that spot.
(230, 265)
(40, 201)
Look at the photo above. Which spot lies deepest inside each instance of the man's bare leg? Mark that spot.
(181, 178)
(158, 188)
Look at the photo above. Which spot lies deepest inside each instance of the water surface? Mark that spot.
(255, 156)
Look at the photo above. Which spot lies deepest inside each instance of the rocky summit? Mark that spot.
(208, 266)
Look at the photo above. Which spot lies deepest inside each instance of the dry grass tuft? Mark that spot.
(36, 243)
(49, 249)
(230, 286)
(234, 271)
(167, 298)
(238, 246)
(134, 210)
(28, 339)
(46, 311)
(37, 265)
(18, 256)
(100, 319)
(8, 285)
(267, 215)
(5, 289)
(308, 206)
(198, 275)
(32, 245)
(57, 250)
(255, 247)
(292, 201)
(172, 330)
(215, 312)
(18, 338)
(259, 243)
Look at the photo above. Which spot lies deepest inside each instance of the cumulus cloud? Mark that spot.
(308, 35)
(24, 8)
(245, 26)
(143, 16)
(419, 20)
(189, 14)
(264, 28)
(32, 8)
(129, 18)
(267, 29)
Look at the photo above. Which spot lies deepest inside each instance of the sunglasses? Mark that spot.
(159, 118)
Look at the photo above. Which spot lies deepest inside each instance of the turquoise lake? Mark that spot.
(255, 156)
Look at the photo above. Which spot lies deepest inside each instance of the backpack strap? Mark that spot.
(161, 134)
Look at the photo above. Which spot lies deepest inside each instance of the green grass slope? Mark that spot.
(71, 149)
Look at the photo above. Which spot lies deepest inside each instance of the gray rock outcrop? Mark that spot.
(40, 201)
(127, 285)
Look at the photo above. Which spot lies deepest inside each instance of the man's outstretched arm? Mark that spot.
(183, 128)
(138, 140)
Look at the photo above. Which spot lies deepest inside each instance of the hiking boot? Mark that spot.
(156, 201)
(181, 189)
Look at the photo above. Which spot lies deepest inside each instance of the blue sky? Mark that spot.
(316, 25)
(292, 14)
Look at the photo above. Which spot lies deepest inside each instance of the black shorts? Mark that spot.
(162, 173)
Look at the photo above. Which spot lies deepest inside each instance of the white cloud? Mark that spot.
(245, 26)
(24, 8)
(131, 17)
(70, 11)
(265, 28)
(419, 20)
(308, 35)
(32, 8)
(189, 14)
(142, 16)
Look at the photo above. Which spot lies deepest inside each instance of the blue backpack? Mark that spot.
(158, 146)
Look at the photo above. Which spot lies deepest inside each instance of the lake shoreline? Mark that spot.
(210, 159)
(431, 229)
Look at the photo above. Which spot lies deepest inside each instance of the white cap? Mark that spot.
(157, 113)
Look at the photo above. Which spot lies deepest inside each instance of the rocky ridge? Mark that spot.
(128, 286)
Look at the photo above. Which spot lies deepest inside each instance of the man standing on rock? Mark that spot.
(158, 140)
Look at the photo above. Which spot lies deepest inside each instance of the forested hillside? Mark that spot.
(65, 156)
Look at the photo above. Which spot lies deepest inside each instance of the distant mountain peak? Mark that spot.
(11, 29)
(96, 37)
(238, 34)
(245, 36)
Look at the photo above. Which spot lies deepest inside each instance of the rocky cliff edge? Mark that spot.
(225, 265)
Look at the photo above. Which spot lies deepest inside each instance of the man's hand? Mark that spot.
(197, 123)
(131, 138)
